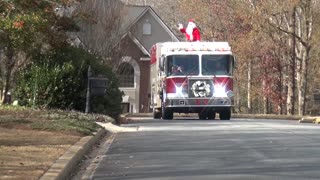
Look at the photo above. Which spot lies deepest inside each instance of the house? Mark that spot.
(144, 28)
(140, 28)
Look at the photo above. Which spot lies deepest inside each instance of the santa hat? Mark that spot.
(191, 23)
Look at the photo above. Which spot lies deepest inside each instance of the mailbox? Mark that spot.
(98, 86)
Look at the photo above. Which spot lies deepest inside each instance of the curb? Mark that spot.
(315, 120)
(255, 116)
(307, 120)
(267, 116)
(89, 172)
(63, 166)
(300, 119)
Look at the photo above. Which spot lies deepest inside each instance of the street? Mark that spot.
(194, 149)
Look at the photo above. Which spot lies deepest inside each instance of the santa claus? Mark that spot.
(192, 32)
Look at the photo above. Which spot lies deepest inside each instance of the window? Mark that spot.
(126, 75)
(216, 64)
(146, 29)
(182, 65)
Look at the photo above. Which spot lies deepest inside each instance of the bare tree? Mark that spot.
(277, 33)
(301, 30)
(101, 28)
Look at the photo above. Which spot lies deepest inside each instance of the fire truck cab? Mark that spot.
(192, 77)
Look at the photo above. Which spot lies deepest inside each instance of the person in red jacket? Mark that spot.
(192, 32)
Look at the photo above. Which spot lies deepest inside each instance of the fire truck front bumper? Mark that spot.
(205, 102)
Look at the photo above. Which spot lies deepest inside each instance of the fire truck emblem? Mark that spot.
(200, 89)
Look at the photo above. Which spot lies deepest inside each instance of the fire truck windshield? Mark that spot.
(216, 64)
(182, 65)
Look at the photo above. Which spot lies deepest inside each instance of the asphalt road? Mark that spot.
(212, 149)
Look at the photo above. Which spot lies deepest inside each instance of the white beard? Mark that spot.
(189, 29)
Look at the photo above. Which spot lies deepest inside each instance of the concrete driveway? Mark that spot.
(184, 149)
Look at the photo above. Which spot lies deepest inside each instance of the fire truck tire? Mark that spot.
(211, 115)
(156, 113)
(167, 114)
(225, 115)
(202, 115)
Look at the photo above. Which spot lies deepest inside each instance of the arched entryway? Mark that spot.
(129, 77)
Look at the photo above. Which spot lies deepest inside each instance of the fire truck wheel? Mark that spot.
(211, 115)
(225, 115)
(202, 115)
(156, 113)
(167, 114)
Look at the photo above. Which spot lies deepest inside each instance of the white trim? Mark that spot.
(128, 88)
(137, 42)
(134, 101)
(146, 28)
(136, 67)
(145, 59)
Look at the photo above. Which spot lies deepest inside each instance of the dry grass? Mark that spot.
(31, 141)
(27, 154)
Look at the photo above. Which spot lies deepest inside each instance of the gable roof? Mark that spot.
(136, 12)
(132, 15)
(93, 35)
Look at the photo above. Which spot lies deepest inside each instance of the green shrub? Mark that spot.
(58, 80)
(111, 102)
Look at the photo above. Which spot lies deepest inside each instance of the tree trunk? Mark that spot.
(280, 88)
(308, 37)
(300, 86)
(290, 95)
(299, 51)
(265, 98)
(237, 97)
(249, 87)
(305, 24)
(9, 67)
(291, 81)
(293, 65)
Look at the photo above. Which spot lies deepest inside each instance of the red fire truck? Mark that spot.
(192, 77)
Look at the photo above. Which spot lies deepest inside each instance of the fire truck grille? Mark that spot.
(200, 88)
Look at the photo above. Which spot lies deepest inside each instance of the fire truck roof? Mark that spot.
(196, 46)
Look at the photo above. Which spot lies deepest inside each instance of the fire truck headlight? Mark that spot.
(178, 90)
(219, 91)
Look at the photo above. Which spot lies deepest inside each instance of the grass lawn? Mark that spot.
(31, 140)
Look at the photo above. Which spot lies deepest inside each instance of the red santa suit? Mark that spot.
(192, 32)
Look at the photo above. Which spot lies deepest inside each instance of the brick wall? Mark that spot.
(131, 49)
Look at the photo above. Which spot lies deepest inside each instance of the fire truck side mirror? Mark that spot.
(234, 62)
(161, 63)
